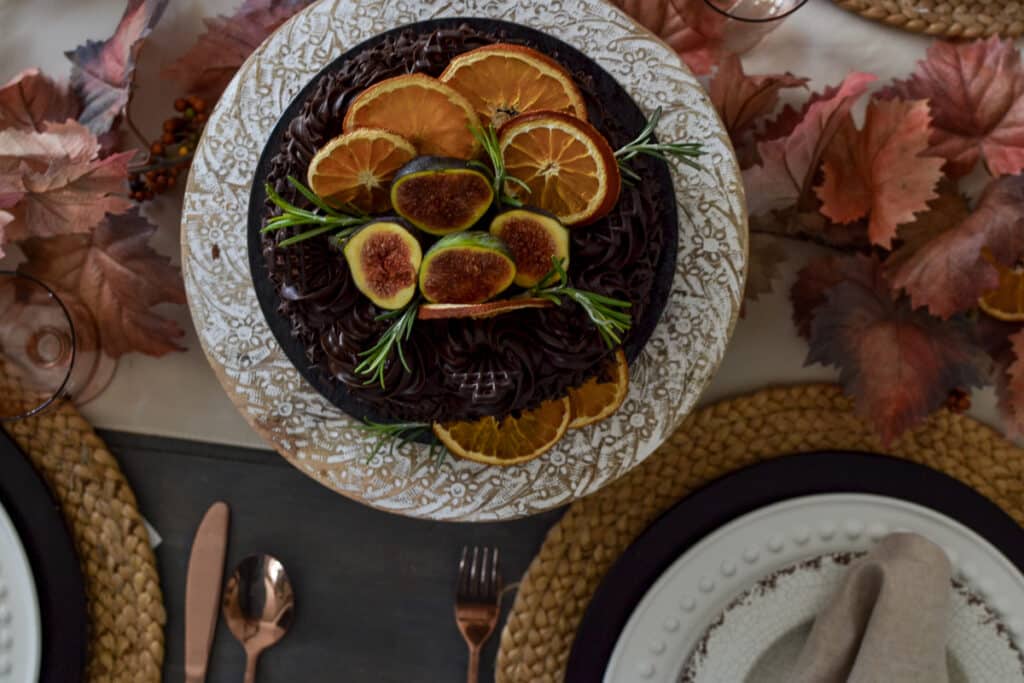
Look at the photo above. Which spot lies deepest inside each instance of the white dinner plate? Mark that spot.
(20, 629)
(696, 589)
(760, 635)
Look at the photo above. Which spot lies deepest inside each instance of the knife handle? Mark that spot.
(202, 589)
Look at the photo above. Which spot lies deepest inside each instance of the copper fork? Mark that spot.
(477, 601)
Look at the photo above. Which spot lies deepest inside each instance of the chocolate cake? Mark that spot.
(460, 368)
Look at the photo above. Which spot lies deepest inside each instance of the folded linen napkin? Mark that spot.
(888, 622)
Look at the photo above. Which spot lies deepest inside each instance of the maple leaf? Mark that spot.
(813, 281)
(944, 213)
(207, 68)
(741, 99)
(976, 94)
(103, 71)
(59, 184)
(789, 164)
(1009, 381)
(766, 255)
(118, 278)
(898, 364)
(878, 171)
(31, 99)
(950, 272)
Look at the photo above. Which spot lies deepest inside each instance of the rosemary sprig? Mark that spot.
(644, 143)
(488, 139)
(393, 434)
(331, 220)
(608, 314)
(376, 357)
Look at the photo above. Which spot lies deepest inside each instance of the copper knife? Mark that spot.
(202, 590)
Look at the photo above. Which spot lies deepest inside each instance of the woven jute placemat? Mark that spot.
(945, 18)
(122, 587)
(712, 442)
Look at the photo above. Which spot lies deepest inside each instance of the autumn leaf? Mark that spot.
(741, 99)
(1010, 385)
(810, 289)
(789, 164)
(207, 68)
(102, 72)
(898, 364)
(31, 99)
(766, 255)
(944, 213)
(61, 186)
(949, 273)
(976, 94)
(878, 171)
(118, 277)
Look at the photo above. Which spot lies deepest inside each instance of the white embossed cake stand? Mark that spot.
(325, 443)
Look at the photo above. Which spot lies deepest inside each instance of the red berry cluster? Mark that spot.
(172, 152)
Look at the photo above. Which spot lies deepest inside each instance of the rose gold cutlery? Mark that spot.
(477, 600)
(202, 589)
(258, 606)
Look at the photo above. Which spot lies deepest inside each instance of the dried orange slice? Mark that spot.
(600, 396)
(356, 168)
(567, 164)
(1006, 302)
(510, 441)
(432, 116)
(502, 81)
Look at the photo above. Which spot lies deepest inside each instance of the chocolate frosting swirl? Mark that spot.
(461, 369)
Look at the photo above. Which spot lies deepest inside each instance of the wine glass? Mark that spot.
(758, 11)
(49, 349)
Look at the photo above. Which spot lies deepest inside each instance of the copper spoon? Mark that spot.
(258, 606)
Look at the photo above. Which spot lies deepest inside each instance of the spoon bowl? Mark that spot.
(258, 606)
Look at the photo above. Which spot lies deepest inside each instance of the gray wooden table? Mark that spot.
(373, 591)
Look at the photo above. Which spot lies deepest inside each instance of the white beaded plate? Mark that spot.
(696, 589)
(667, 377)
(759, 636)
(20, 627)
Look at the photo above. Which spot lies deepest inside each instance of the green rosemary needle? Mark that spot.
(644, 143)
(331, 220)
(396, 433)
(608, 314)
(488, 139)
(375, 358)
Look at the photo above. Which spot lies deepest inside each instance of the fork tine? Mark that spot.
(485, 575)
(495, 586)
(474, 570)
(463, 580)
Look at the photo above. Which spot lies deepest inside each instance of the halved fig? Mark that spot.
(384, 258)
(441, 195)
(478, 311)
(466, 268)
(534, 238)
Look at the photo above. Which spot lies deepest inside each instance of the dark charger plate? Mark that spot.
(757, 486)
(606, 88)
(55, 569)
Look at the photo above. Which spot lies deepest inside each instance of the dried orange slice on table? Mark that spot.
(1006, 302)
(568, 165)
(503, 80)
(512, 439)
(435, 118)
(357, 167)
(600, 396)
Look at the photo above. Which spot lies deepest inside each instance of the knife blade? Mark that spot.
(202, 589)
